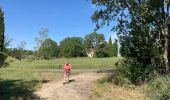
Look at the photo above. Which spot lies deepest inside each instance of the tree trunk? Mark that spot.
(165, 16)
(165, 52)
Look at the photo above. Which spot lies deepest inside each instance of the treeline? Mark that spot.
(92, 45)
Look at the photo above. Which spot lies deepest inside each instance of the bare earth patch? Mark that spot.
(75, 90)
(81, 88)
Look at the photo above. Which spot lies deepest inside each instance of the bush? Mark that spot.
(130, 71)
(159, 88)
(2, 58)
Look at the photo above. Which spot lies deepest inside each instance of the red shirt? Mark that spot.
(67, 68)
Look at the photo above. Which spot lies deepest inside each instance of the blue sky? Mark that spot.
(63, 18)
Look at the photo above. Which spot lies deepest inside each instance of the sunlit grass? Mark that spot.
(58, 63)
(103, 89)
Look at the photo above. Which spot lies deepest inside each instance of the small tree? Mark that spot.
(21, 48)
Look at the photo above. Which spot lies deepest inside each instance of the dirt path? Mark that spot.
(81, 87)
(76, 90)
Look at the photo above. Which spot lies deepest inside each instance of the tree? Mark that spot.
(72, 47)
(112, 48)
(115, 48)
(2, 38)
(110, 41)
(21, 48)
(48, 49)
(142, 30)
(43, 34)
(93, 41)
(22, 45)
(103, 50)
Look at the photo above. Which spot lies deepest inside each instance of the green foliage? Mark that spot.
(131, 71)
(102, 50)
(48, 49)
(159, 88)
(72, 47)
(112, 48)
(142, 31)
(115, 48)
(96, 42)
(2, 39)
(3, 57)
(2, 30)
(93, 40)
(18, 53)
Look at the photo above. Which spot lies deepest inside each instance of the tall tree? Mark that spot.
(115, 48)
(111, 48)
(110, 41)
(93, 41)
(2, 38)
(2, 30)
(142, 30)
(43, 34)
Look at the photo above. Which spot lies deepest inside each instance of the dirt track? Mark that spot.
(80, 89)
(77, 89)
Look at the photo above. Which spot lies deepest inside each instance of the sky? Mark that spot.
(63, 18)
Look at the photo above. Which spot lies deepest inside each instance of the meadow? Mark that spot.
(20, 79)
(77, 63)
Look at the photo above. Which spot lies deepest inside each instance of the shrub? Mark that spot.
(130, 71)
(2, 58)
(159, 88)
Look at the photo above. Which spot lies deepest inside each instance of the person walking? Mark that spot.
(67, 70)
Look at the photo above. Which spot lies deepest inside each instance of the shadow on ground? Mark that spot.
(18, 89)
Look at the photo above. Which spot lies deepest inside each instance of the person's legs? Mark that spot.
(65, 76)
(68, 77)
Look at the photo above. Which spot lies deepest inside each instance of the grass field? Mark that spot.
(19, 84)
(20, 79)
(58, 63)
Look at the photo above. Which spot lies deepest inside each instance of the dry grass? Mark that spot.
(102, 90)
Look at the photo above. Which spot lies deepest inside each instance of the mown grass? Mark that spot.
(77, 63)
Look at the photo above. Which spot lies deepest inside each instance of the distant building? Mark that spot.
(90, 53)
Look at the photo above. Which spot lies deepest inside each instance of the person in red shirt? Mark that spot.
(67, 69)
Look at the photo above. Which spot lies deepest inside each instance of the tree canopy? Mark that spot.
(142, 30)
(72, 47)
(48, 49)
